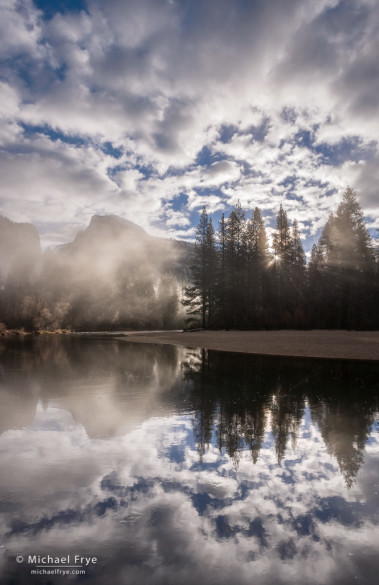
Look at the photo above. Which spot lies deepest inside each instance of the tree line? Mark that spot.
(239, 282)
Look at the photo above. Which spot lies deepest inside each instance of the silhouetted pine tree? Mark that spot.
(316, 289)
(283, 254)
(297, 277)
(235, 269)
(221, 272)
(200, 295)
(345, 269)
(257, 269)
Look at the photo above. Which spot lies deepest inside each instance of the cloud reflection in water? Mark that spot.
(192, 483)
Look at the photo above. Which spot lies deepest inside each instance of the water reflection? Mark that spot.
(174, 465)
(244, 396)
(106, 386)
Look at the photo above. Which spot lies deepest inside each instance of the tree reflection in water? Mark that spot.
(240, 398)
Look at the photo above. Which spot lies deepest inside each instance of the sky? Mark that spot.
(150, 109)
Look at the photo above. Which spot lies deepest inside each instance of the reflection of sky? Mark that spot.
(144, 504)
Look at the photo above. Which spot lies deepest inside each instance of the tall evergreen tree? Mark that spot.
(297, 252)
(352, 240)
(283, 254)
(221, 272)
(257, 237)
(346, 266)
(200, 294)
(282, 242)
(212, 267)
(235, 268)
(257, 261)
(297, 276)
(316, 288)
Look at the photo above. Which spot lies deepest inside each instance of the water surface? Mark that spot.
(173, 465)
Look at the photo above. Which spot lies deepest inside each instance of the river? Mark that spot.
(140, 464)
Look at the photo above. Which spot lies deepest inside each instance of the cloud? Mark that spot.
(20, 30)
(262, 87)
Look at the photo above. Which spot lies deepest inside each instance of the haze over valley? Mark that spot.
(113, 274)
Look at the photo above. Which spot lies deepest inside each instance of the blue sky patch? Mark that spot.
(52, 7)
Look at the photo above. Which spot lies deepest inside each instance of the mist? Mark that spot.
(112, 276)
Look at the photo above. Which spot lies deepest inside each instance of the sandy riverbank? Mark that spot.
(360, 345)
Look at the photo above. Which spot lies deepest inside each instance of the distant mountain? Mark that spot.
(110, 240)
(102, 227)
(19, 244)
(113, 275)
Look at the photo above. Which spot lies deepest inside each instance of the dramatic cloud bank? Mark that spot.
(151, 108)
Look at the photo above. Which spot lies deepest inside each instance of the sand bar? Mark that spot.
(359, 345)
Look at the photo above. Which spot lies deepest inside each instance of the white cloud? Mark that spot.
(20, 30)
(159, 81)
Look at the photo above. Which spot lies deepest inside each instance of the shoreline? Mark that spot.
(313, 344)
(36, 332)
(322, 344)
